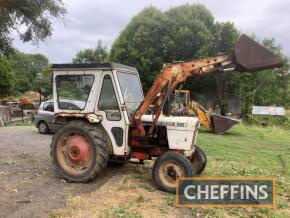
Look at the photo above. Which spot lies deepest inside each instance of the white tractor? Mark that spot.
(108, 117)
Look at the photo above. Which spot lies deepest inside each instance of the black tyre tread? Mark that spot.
(105, 138)
(175, 156)
(199, 151)
(47, 128)
(98, 136)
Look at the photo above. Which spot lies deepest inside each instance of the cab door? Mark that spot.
(108, 105)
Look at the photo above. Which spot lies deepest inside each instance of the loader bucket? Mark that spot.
(221, 124)
(250, 56)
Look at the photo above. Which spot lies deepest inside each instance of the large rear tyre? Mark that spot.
(80, 151)
(198, 160)
(168, 167)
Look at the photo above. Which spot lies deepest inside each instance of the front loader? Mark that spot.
(181, 105)
(107, 118)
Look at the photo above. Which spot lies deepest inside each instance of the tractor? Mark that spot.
(107, 117)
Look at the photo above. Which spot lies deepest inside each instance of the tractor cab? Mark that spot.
(106, 93)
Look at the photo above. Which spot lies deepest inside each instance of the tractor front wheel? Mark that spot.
(79, 151)
(168, 167)
(198, 160)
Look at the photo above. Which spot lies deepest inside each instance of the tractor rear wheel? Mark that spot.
(80, 151)
(168, 167)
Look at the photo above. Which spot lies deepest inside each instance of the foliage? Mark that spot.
(32, 16)
(44, 81)
(140, 45)
(7, 78)
(153, 38)
(249, 151)
(225, 36)
(26, 122)
(28, 68)
(267, 120)
(96, 55)
(268, 87)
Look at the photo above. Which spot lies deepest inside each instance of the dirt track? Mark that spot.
(29, 186)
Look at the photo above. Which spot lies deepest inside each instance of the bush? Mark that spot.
(267, 120)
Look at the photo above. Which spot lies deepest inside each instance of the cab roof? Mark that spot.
(99, 66)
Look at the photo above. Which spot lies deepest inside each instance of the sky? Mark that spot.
(87, 21)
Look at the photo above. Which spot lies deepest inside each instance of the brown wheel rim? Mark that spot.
(169, 171)
(75, 153)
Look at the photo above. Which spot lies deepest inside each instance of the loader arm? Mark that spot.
(170, 76)
(247, 56)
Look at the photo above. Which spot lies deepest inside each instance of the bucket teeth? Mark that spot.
(250, 56)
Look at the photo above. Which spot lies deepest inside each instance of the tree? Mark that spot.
(27, 67)
(96, 55)
(140, 44)
(7, 78)
(43, 83)
(153, 38)
(32, 16)
(264, 88)
(225, 37)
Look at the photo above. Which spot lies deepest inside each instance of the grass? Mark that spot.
(249, 151)
(26, 122)
(245, 151)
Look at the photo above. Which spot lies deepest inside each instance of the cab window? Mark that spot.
(73, 91)
(108, 100)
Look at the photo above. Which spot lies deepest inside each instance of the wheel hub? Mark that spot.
(75, 153)
(78, 148)
(169, 171)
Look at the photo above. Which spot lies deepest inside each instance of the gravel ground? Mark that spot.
(29, 185)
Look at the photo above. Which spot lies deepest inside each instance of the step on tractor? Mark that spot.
(107, 118)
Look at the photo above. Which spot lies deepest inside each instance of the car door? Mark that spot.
(48, 114)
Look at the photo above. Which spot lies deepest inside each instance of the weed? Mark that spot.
(140, 199)
(170, 200)
(124, 213)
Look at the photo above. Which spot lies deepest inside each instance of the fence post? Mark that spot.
(1, 121)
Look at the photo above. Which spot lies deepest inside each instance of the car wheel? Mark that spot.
(43, 127)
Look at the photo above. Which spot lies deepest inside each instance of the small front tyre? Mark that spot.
(168, 167)
(198, 160)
